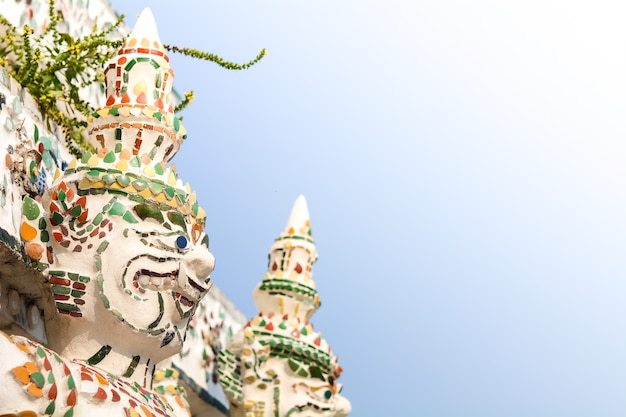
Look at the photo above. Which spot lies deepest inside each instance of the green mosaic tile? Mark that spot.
(117, 209)
(109, 157)
(30, 209)
(38, 379)
(67, 307)
(50, 408)
(61, 290)
(130, 218)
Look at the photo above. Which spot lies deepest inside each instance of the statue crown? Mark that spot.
(138, 114)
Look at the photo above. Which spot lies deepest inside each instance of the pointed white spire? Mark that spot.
(299, 222)
(146, 27)
(138, 86)
(291, 258)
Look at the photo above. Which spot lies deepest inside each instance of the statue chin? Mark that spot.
(343, 407)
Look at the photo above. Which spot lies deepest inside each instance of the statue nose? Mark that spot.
(343, 407)
(199, 262)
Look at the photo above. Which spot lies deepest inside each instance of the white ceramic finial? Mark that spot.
(146, 27)
(299, 214)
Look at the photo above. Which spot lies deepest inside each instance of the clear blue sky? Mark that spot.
(465, 169)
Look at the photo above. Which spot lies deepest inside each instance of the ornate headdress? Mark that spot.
(135, 134)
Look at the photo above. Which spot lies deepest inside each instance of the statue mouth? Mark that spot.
(146, 279)
(186, 289)
(166, 274)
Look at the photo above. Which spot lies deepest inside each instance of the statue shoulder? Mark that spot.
(37, 379)
(166, 385)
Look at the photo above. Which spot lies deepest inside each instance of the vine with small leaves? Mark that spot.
(54, 67)
(206, 56)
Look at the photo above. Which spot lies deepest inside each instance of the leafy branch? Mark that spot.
(55, 67)
(206, 56)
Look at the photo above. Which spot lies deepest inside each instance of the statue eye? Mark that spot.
(181, 242)
(324, 392)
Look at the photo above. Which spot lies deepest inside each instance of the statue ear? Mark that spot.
(33, 231)
(61, 211)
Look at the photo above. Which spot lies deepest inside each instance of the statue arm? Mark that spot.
(24, 385)
(36, 381)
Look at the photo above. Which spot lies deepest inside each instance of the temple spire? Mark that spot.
(290, 268)
(279, 348)
(138, 114)
(145, 27)
(299, 223)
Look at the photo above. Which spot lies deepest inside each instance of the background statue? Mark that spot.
(278, 365)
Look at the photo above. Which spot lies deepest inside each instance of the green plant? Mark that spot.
(55, 67)
(206, 56)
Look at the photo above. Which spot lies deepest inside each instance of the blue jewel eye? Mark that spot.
(181, 242)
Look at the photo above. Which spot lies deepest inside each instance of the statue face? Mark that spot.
(154, 272)
(144, 265)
